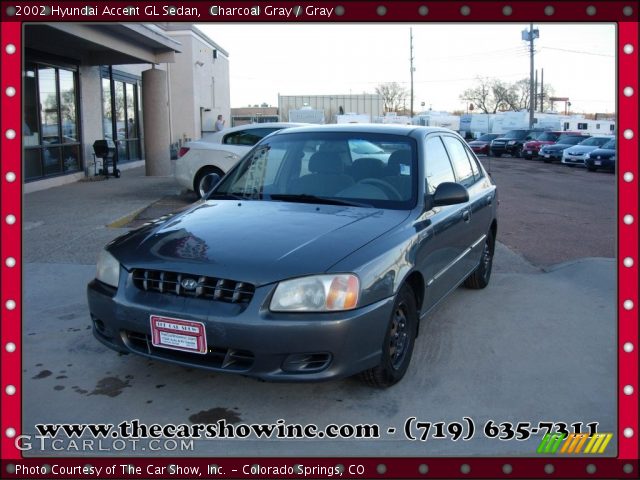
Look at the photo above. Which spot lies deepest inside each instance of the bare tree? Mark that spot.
(482, 95)
(491, 95)
(393, 95)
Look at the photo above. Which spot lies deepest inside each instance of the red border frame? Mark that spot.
(355, 11)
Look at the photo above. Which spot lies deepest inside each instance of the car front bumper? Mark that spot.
(574, 159)
(602, 163)
(248, 340)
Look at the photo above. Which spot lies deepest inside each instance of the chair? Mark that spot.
(326, 178)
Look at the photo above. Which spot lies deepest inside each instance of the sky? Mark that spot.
(323, 59)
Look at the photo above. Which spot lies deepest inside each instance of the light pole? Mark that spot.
(529, 36)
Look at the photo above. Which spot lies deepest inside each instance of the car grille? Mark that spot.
(222, 358)
(209, 288)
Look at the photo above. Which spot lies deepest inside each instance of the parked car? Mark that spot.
(552, 152)
(218, 152)
(577, 154)
(603, 158)
(482, 145)
(531, 149)
(292, 269)
(512, 142)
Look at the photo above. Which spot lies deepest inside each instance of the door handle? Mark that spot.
(466, 216)
(489, 199)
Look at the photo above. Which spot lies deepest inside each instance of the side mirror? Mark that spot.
(209, 182)
(450, 193)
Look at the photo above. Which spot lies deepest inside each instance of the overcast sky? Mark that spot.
(312, 59)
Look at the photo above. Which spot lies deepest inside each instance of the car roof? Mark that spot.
(379, 128)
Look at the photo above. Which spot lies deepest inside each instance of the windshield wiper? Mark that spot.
(228, 196)
(304, 198)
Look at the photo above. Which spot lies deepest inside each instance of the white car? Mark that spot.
(577, 154)
(218, 152)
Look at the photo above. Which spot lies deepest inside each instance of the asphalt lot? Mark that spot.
(534, 346)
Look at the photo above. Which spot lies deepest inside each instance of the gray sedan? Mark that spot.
(304, 263)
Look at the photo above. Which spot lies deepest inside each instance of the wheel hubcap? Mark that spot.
(399, 337)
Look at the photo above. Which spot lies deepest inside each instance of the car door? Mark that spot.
(477, 212)
(442, 241)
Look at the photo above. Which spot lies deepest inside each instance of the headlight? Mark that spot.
(587, 157)
(108, 269)
(320, 293)
(511, 142)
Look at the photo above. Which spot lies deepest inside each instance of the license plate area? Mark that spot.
(598, 162)
(178, 334)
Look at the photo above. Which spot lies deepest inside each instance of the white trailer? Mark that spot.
(437, 119)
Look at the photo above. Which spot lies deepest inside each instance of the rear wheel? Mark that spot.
(398, 342)
(198, 183)
(480, 277)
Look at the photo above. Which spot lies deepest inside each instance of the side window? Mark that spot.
(460, 160)
(247, 137)
(437, 165)
(477, 172)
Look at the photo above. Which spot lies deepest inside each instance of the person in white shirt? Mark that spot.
(219, 123)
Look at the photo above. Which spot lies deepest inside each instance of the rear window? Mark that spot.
(515, 134)
(548, 137)
(571, 139)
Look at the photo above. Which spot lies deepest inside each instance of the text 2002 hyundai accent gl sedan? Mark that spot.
(303, 264)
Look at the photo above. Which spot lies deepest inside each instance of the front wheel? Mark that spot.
(398, 342)
(479, 278)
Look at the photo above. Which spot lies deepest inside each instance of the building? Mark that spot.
(144, 86)
(245, 115)
(332, 105)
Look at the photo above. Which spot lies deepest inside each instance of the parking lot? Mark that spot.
(539, 344)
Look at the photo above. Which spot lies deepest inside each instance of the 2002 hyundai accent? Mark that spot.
(303, 264)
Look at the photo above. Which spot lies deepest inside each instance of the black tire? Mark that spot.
(546, 160)
(496, 154)
(518, 153)
(480, 277)
(197, 182)
(398, 342)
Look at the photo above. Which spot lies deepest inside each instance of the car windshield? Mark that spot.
(515, 134)
(487, 137)
(610, 145)
(594, 142)
(570, 139)
(327, 168)
(548, 137)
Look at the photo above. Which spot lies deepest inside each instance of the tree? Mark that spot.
(393, 95)
(482, 95)
(491, 95)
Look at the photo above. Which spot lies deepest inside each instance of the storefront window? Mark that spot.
(68, 107)
(121, 98)
(50, 122)
(107, 118)
(49, 117)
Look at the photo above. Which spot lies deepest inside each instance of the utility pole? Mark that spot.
(542, 90)
(411, 69)
(530, 36)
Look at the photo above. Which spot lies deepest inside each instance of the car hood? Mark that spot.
(556, 147)
(579, 150)
(478, 143)
(602, 152)
(254, 241)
